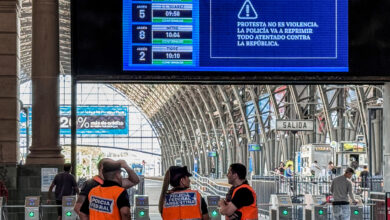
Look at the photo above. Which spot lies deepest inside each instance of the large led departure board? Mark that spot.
(238, 35)
(225, 41)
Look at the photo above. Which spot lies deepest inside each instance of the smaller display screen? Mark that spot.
(69, 201)
(213, 200)
(212, 154)
(32, 201)
(141, 201)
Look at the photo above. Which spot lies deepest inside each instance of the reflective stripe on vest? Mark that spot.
(182, 205)
(248, 212)
(98, 180)
(102, 203)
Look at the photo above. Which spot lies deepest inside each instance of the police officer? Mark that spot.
(108, 201)
(240, 202)
(180, 202)
(98, 180)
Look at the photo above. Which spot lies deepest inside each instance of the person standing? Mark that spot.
(281, 168)
(364, 177)
(65, 184)
(240, 202)
(289, 171)
(341, 188)
(315, 169)
(329, 169)
(132, 180)
(180, 202)
(109, 201)
(3, 190)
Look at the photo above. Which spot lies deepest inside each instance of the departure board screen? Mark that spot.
(240, 35)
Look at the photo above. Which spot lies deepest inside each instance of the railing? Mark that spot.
(207, 186)
(297, 186)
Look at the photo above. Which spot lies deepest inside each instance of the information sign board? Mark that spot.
(196, 35)
(219, 40)
(47, 177)
(254, 147)
(295, 125)
(91, 120)
(212, 154)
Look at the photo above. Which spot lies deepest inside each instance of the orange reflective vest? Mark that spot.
(102, 203)
(182, 205)
(248, 212)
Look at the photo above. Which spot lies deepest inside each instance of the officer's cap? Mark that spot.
(176, 173)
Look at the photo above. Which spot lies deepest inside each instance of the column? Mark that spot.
(45, 147)
(386, 138)
(9, 83)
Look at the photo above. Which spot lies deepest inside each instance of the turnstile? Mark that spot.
(212, 206)
(315, 207)
(1, 208)
(141, 207)
(281, 207)
(357, 209)
(32, 208)
(68, 212)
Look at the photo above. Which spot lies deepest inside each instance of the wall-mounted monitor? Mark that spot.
(219, 40)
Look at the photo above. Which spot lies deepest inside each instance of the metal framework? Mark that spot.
(193, 120)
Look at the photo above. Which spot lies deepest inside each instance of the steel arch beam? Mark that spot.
(229, 108)
(255, 100)
(189, 123)
(196, 118)
(219, 110)
(202, 116)
(325, 107)
(214, 126)
(173, 133)
(176, 122)
(176, 111)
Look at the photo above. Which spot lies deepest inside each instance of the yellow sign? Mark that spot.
(354, 146)
(322, 148)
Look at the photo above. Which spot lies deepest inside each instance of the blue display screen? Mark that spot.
(243, 35)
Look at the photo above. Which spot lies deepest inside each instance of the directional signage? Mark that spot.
(295, 125)
(212, 154)
(254, 147)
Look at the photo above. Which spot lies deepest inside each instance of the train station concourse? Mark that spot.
(187, 105)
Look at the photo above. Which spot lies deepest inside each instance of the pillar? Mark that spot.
(45, 147)
(386, 138)
(9, 83)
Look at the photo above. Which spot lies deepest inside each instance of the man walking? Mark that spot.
(65, 184)
(240, 202)
(340, 188)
